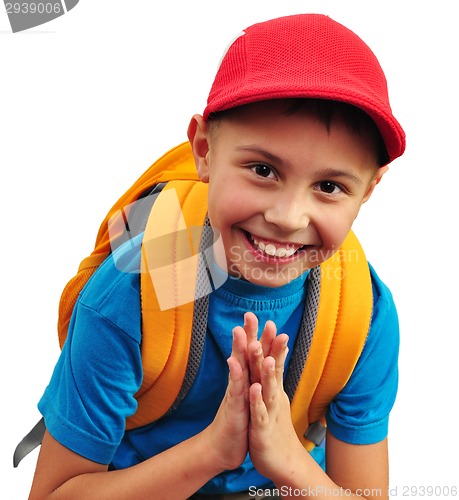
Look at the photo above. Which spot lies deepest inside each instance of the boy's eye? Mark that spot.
(263, 170)
(329, 187)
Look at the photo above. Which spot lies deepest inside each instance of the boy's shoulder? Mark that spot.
(113, 291)
(380, 290)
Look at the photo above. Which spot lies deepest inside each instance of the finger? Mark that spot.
(267, 337)
(269, 383)
(239, 346)
(279, 351)
(258, 412)
(235, 390)
(251, 326)
(235, 406)
(255, 359)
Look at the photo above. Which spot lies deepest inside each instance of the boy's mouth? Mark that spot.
(273, 248)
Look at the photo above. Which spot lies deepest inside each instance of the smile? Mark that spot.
(273, 248)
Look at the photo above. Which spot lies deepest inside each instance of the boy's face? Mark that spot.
(283, 189)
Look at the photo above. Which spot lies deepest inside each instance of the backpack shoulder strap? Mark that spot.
(341, 328)
(171, 254)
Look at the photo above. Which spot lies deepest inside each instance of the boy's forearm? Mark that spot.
(300, 473)
(176, 473)
(302, 477)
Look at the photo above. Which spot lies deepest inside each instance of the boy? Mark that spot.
(296, 134)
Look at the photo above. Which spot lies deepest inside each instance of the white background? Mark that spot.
(89, 100)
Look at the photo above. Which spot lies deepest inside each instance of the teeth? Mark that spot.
(270, 249)
(281, 252)
(273, 251)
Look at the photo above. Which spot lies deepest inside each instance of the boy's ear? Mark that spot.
(198, 137)
(376, 180)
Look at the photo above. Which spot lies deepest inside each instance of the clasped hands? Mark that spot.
(254, 415)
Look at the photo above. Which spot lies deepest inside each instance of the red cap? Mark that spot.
(309, 56)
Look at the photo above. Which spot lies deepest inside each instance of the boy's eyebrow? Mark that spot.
(331, 173)
(260, 151)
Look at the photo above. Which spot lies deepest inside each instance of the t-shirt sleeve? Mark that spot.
(92, 388)
(360, 412)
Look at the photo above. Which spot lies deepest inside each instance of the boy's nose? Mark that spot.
(288, 213)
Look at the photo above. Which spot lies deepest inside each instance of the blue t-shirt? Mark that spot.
(99, 371)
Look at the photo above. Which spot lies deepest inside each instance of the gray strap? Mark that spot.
(29, 442)
(200, 313)
(136, 220)
(316, 432)
(305, 334)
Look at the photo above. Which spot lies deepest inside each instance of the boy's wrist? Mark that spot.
(211, 453)
(295, 468)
